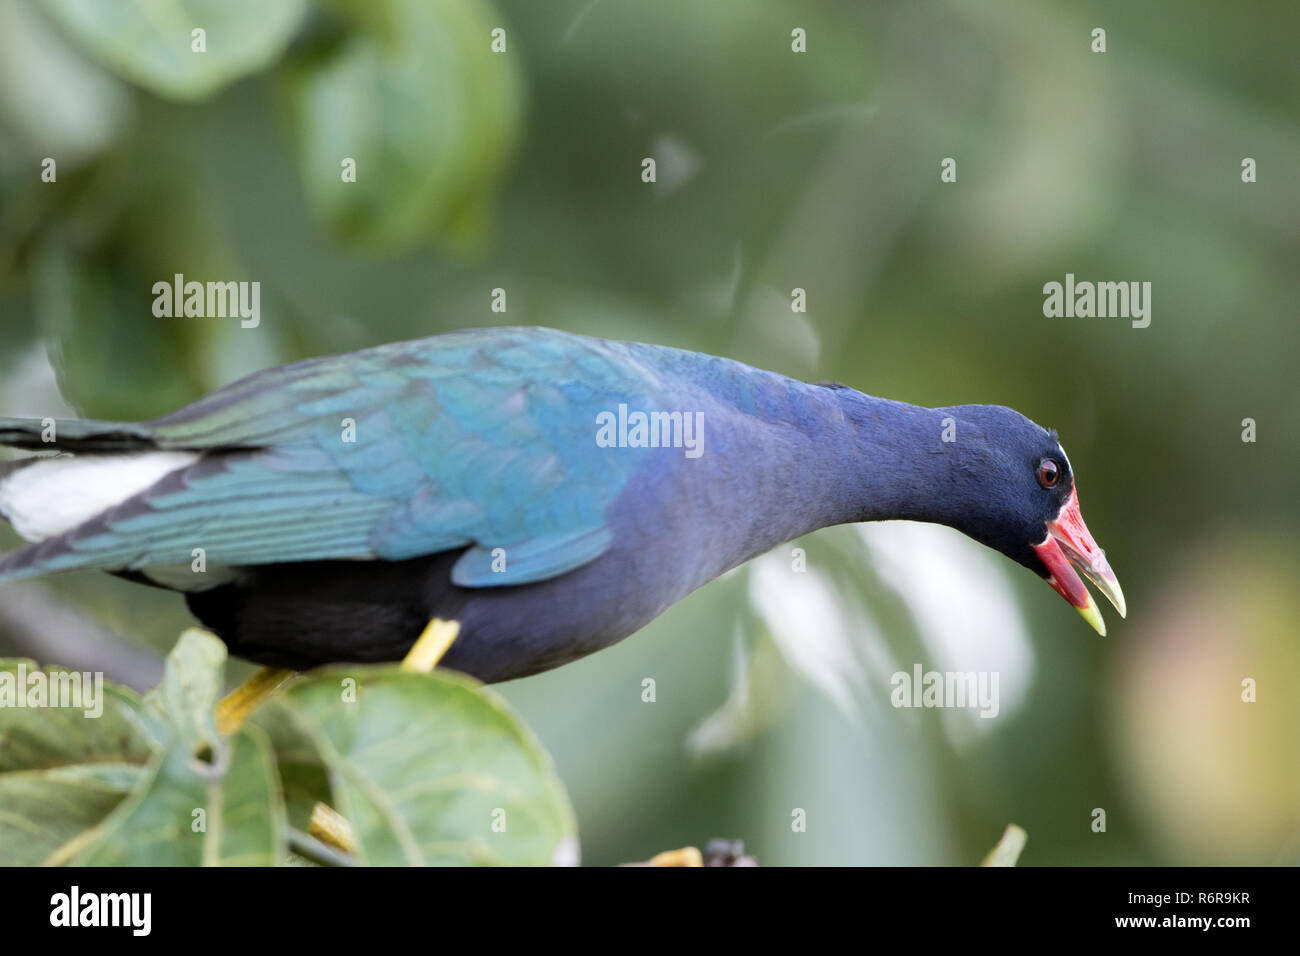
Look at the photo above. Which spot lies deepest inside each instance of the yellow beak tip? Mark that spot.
(1092, 615)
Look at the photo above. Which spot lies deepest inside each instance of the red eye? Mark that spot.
(1048, 472)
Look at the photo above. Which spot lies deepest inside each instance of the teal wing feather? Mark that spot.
(482, 439)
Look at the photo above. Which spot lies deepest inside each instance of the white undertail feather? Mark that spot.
(54, 495)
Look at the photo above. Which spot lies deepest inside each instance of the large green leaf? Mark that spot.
(428, 768)
(150, 41)
(43, 810)
(208, 800)
(424, 107)
(241, 821)
(61, 771)
(433, 769)
(304, 779)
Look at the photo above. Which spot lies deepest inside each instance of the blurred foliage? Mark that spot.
(157, 45)
(521, 171)
(423, 108)
(1217, 779)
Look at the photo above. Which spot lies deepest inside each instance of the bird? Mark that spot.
(543, 493)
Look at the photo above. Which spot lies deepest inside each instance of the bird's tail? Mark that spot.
(50, 434)
(54, 435)
(14, 564)
(20, 564)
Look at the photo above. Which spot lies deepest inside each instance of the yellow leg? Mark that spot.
(330, 827)
(430, 646)
(686, 856)
(234, 708)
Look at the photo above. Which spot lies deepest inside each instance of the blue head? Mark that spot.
(1016, 493)
(992, 474)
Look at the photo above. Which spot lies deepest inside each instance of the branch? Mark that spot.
(34, 624)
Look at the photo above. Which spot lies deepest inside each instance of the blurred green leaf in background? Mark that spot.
(416, 101)
(154, 42)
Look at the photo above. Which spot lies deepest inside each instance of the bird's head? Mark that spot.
(1021, 499)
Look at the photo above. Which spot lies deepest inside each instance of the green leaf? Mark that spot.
(429, 769)
(241, 821)
(62, 769)
(223, 808)
(94, 309)
(1009, 848)
(433, 769)
(426, 110)
(304, 779)
(54, 100)
(191, 686)
(44, 738)
(150, 42)
(43, 810)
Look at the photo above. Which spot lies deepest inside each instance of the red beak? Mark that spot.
(1069, 545)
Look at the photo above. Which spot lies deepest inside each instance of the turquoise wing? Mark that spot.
(482, 440)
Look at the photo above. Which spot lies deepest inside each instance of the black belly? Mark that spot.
(303, 615)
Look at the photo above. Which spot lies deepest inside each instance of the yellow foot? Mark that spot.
(431, 645)
(686, 856)
(332, 828)
(234, 708)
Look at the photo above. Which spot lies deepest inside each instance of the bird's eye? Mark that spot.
(1048, 472)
